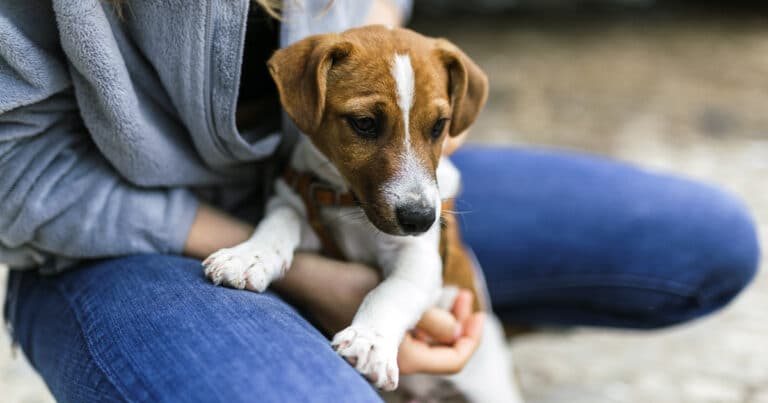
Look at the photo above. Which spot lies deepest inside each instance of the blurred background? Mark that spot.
(675, 86)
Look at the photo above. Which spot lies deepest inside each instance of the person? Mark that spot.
(137, 137)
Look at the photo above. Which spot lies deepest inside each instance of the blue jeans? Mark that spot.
(562, 238)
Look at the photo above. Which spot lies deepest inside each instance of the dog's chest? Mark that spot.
(357, 238)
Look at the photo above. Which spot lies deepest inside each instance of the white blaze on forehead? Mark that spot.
(402, 71)
(412, 181)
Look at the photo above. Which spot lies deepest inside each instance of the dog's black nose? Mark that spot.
(415, 219)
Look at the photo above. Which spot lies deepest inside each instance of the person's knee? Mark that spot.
(728, 255)
(735, 265)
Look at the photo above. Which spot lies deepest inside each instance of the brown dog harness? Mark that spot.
(458, 268)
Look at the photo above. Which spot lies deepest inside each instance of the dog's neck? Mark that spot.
(307, 158)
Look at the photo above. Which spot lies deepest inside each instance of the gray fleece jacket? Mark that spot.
(111, 130)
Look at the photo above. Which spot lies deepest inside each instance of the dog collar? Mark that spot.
(317, 193)
(317, 190)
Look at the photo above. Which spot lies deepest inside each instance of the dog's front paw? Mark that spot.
(245, 266)
(370, 353)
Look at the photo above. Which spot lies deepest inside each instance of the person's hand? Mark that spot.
(442, 342)
(331, 291)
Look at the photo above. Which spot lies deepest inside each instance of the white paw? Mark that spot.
(246, 266)
(371, 354)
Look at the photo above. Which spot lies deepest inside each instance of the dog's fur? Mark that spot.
(406, 83)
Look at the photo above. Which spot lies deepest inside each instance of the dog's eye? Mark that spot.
(438, 128)
(365, 126)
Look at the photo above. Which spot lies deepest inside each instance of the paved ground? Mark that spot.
(680, 94)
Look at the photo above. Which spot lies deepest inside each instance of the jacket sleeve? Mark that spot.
(59, 198)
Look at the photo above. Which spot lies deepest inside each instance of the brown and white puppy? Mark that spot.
(376, 105)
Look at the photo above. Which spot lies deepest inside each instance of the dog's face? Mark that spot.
(379, 103)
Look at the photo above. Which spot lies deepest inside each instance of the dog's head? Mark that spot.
(379, 103)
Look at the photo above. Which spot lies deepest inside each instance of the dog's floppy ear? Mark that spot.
(300, 72)
(467, 86)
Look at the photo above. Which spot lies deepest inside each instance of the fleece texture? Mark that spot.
(112, 130)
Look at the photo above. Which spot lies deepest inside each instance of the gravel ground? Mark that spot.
(682, 93)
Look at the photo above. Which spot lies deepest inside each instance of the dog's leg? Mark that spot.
(489, 376)
(388, 311)
(266, 256)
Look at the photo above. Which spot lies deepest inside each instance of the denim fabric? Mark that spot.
(563, 239)
(580, 240)
(151, 328)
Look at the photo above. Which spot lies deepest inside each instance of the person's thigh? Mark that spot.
(150, 328)
(572, 239)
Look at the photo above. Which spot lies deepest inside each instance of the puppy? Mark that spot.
(376, 105)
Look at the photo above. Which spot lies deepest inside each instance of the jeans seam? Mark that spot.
(715, 294)
(96, 359)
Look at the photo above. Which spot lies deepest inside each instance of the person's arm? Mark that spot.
(212, 230)
(59, 197)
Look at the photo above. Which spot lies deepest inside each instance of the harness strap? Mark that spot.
(315, 193)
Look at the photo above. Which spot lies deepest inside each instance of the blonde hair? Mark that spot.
(272, 7)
